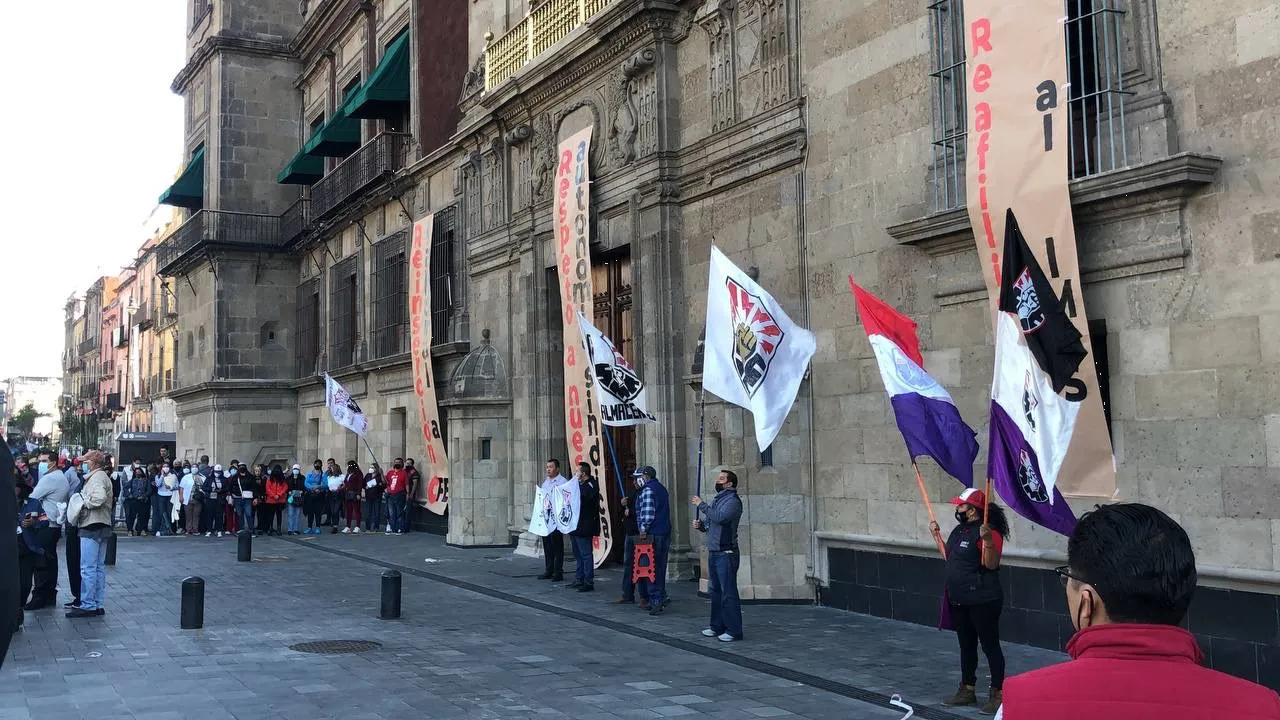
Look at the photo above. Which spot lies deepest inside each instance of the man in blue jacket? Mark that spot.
(653, 517)
(719, 520)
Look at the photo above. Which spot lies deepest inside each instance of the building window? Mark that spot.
(766, 457)
(390, 296)
(446, 287)
(308, 310)
(1095, 120)
(344, 311)
(486, 448)
(199, 10)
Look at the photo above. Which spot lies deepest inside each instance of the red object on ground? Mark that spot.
(643, 566)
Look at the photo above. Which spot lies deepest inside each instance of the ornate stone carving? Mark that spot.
(517, 136)
(543, 157)
(473, 81)
(632, 107)
(594, 160)
(716, 17)
(776, 81)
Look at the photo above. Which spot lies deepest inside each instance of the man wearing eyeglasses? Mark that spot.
(1129, 578)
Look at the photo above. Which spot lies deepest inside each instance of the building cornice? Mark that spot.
(323, 28)
(229, 44)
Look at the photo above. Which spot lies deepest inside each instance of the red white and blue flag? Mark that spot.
(927, 416)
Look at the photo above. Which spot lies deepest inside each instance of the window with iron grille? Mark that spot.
(390, 296)
(446, 287)
(1095, 99)
(344, 311)
(308, 309)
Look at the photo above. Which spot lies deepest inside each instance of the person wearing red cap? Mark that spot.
(973, 593)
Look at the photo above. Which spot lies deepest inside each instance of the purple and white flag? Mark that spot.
(1031, 426)
(927, 416)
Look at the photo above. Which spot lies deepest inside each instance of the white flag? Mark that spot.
(754, 356)
(567, 500)
(619, 390)
(344, 410)
(1025, 393)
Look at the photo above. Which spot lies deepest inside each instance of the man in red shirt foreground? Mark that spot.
(1129, 578)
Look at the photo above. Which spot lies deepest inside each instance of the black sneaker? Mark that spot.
(587, 587)
(657, 609)
(82, 613)
(74, 604)
(574, 585)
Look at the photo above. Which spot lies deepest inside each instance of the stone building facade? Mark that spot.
(809, 140)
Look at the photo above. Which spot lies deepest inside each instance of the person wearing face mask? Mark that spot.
(277, 489)
(161, 503)
(413, 478)
(974, 594)
(52, 492)
(243, 485)
(293, 511)
(215, 502)
(582, 538)
(352, 491)
(94, 521)
(313, 497)
(397, 495)
(719, 520)
(191, 489)
(1129, 580)
(653, 518)
(137, 494)
(372, 498)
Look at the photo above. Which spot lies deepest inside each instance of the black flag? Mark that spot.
(1026, 292)
(10, 605)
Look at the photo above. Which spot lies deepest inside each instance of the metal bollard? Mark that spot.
(111, 550)
(244, 546)
(390, 595)
(192, 603)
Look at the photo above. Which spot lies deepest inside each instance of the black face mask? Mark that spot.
(962, 517)
(399, 466)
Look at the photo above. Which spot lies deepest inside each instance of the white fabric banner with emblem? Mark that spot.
(755, 356)
(621, 393)
(542, 520)
(567, 500)
(344, 410)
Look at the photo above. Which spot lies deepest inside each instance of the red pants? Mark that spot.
(352, 508)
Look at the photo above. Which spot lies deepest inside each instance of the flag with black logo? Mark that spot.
(620, 392)
(1026, 292)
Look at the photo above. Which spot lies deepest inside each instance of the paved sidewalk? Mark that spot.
(480, 638)
(856, 655)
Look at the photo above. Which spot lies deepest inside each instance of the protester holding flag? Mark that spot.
(553, 541)
(973, 593)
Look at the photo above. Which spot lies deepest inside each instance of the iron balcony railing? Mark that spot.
(88, 345)
(217, 230)
(294, 221)
(89, 391)
(375, 161)
(547, 25)
(143, 318)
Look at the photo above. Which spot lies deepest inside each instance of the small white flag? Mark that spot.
(619, 390)
(754, 355)
(343, 408)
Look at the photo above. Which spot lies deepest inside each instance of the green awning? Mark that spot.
(303, 169)
(188, 190)
(387, 92)
(340, 135)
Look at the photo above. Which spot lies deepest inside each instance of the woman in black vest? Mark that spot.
(974, 595)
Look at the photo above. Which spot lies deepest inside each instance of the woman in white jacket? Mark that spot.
(94, 521)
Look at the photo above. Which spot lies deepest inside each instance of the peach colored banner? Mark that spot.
(433, 493)
(1017, 158)
(573, 266)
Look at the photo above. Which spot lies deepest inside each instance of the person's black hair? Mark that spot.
(732, 477)
(997, 519)
(204, 458)
(1139, 560)
(555, 462)
(585, 466)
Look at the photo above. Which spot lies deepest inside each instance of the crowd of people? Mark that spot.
(178, 497)
(80, 502)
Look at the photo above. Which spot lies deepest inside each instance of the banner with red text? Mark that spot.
(433, 491)
(1017, 159)
(573, 270)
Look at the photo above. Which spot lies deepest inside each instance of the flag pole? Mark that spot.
(370, 449)
(617, 470)
(986, 502)
(924, 495)
(702, 426)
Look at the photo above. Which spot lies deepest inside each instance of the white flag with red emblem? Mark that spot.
(754, 355)
(345, 411)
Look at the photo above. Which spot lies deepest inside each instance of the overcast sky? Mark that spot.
(90, 135)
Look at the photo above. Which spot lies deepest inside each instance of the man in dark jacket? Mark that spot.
(10, 605)
(719, 520)
(583, 537)
(1129, 578)
(653, 516)
(631, 529)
